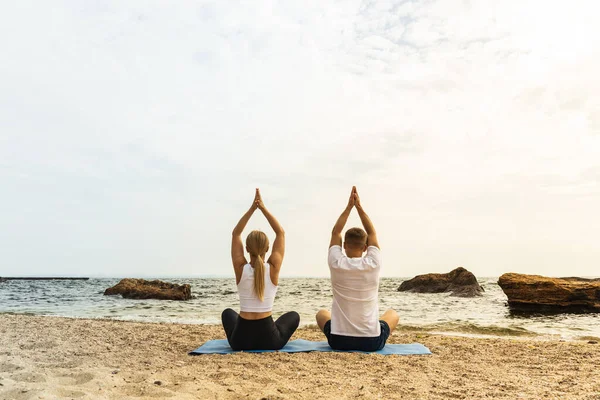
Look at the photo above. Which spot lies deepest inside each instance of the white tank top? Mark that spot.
(249, 302)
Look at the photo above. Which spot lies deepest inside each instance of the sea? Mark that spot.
(487, 315)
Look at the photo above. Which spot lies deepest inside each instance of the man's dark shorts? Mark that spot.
(339, 342)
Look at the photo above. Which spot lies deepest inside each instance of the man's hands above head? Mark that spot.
(366, 221)
(356, 198)
(336, 232)
(352, 199)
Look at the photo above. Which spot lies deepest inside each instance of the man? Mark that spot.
(354, 323)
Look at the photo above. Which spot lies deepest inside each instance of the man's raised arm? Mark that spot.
(336, 233)
(366, 221)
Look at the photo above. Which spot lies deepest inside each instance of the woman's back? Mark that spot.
(254, 328)
(249, 301)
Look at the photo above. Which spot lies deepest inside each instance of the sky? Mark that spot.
(133, 134)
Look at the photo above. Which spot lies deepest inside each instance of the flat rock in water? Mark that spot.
(459, 282)
(142, 289)
(536, 292)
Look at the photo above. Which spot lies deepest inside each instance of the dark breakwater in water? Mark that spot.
(41, 278)
(485, 315)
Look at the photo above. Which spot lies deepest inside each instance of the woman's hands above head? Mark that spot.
(258, 203)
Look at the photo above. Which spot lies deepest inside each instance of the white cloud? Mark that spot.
(133, 134)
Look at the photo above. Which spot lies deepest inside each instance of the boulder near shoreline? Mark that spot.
(459, 282)
(142, 289)
(542, 293)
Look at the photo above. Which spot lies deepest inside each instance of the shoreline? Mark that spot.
(484, 315)
(42, 357)
(481, 332)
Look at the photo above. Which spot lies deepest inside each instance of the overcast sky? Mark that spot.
(133, 134)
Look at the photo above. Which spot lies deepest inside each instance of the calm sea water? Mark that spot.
(486, 315)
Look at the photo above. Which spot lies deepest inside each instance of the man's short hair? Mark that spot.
(355, 237)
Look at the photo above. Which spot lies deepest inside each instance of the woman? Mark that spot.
(253, 328)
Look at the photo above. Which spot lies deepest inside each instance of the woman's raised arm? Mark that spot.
(237, 247)
(278, 251)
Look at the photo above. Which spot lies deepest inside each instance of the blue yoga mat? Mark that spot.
(301, 345)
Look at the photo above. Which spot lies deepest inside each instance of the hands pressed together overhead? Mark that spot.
(354, 200)
(257, 202)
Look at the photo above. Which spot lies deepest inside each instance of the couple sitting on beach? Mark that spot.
(353, 323)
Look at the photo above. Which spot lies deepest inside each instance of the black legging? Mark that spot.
(259, 334)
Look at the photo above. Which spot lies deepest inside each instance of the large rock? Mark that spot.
(535, 292)
(459, 282)
(143, 289)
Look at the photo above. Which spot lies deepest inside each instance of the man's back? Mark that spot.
(354, 323)
(355, 286)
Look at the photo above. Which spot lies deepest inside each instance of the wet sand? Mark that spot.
(48, 358)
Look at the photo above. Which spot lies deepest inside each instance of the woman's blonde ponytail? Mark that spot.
(259, 277)
(257, 245)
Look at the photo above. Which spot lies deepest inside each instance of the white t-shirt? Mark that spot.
(355, 286)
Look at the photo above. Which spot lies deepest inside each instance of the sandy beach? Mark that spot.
(51, 357)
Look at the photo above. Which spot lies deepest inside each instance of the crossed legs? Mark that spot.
(322, 317)
(261, 334)
(390, 317)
